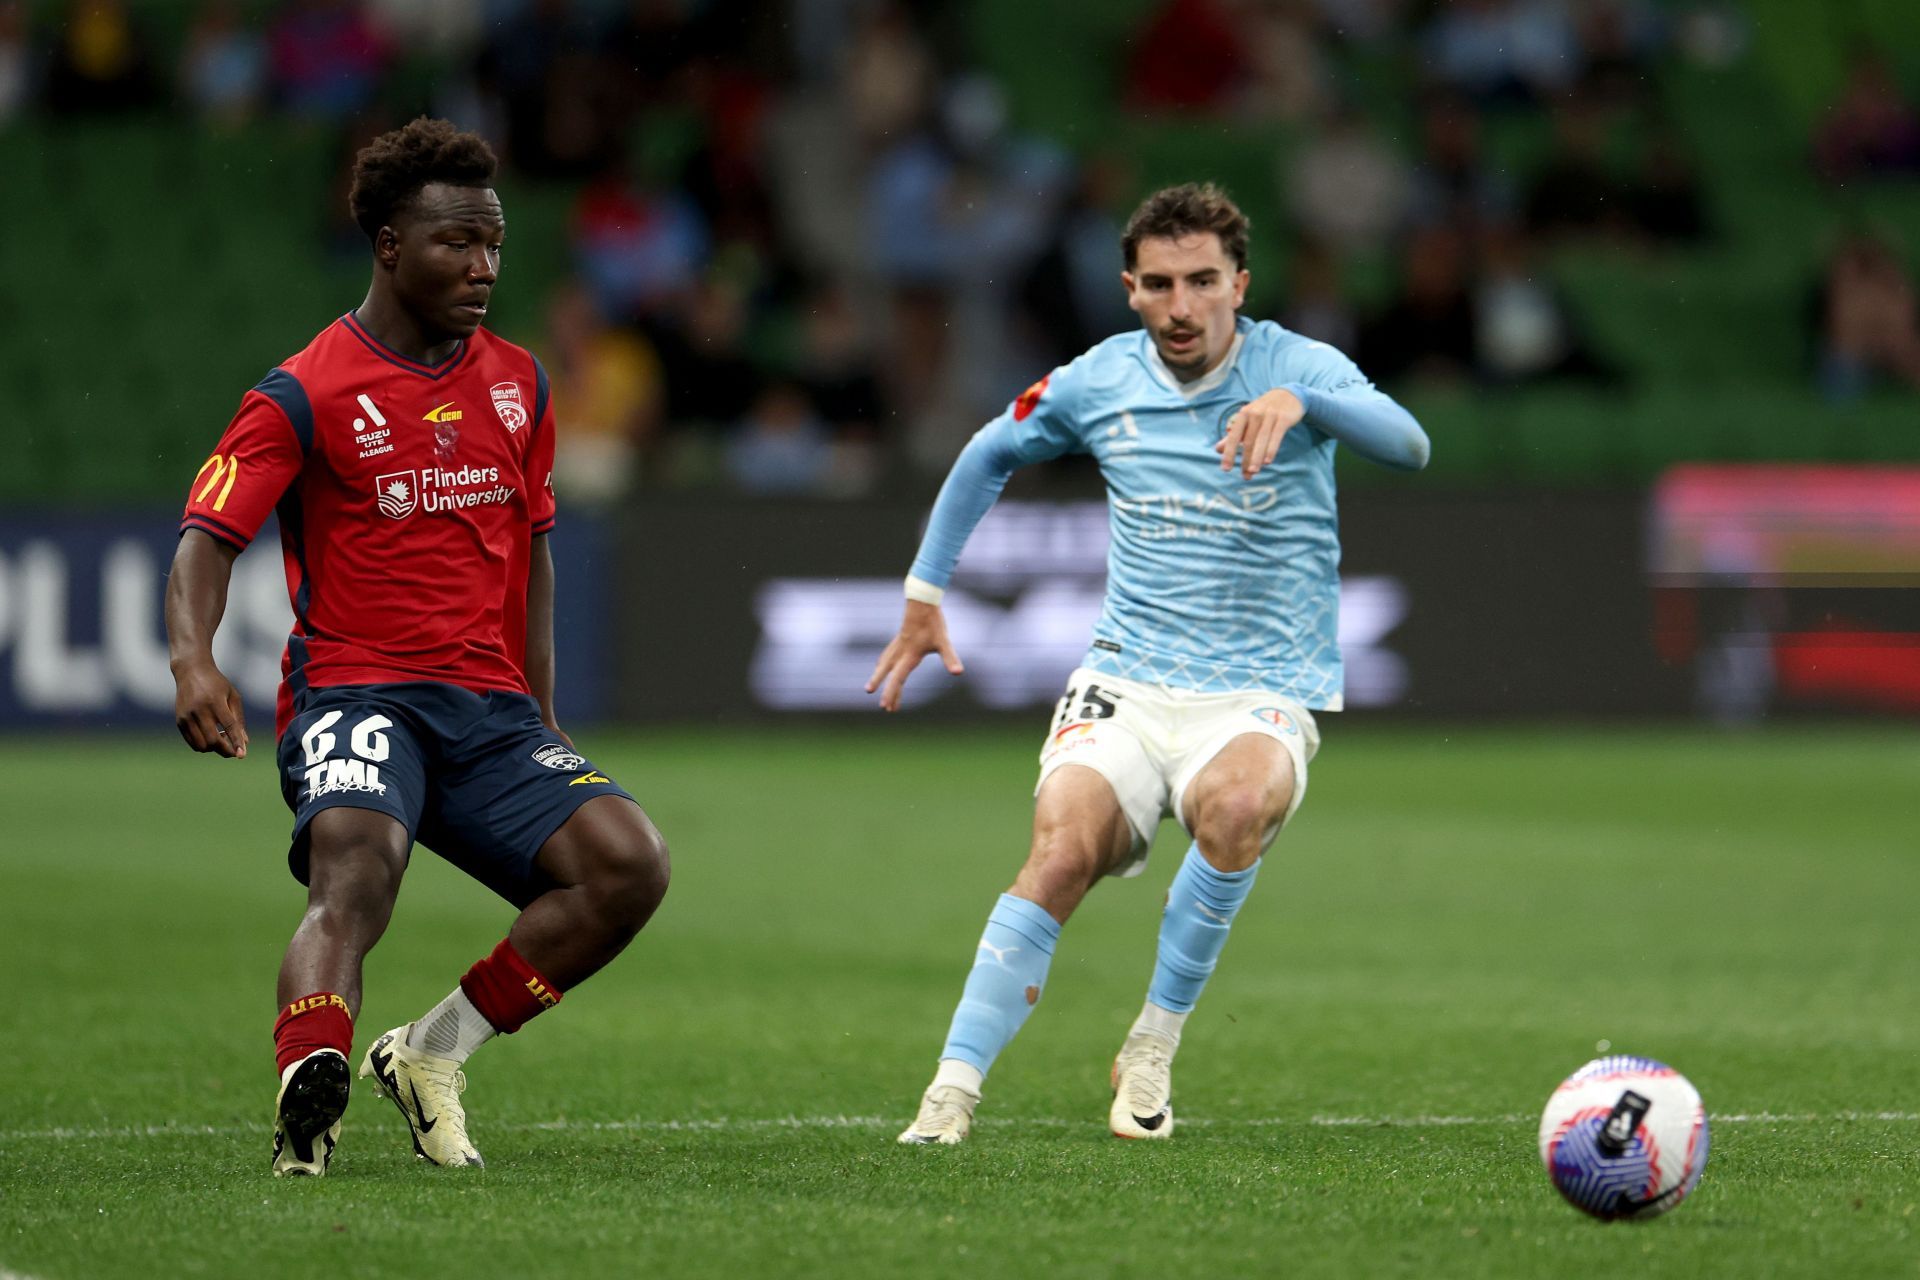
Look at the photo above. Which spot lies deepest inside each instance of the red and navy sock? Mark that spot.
(507, 990)
(313, 1022)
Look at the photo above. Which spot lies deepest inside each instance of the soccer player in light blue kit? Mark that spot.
(1216, 644)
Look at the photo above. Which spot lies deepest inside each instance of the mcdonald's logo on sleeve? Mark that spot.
(219, 471)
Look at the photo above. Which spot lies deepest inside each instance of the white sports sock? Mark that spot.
(1160, 1021)
(451, 1029)
(955, 1072)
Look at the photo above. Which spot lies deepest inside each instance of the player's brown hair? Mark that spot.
(1192, 208)
(389, 171)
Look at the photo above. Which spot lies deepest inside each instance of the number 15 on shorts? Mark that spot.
(1093, 703)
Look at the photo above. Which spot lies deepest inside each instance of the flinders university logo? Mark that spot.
(506, 403)
(399, 493)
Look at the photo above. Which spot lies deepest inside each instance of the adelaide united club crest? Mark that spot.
(506, 403)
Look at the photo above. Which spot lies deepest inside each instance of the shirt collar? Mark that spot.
(1200, 386)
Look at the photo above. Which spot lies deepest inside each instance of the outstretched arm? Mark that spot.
(206, 706)
(975, 482)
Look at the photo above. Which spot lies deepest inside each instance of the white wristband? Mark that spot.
(925, 592)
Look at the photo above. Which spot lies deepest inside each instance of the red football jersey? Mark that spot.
(408, 497)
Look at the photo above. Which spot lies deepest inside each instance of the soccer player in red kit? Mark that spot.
(409, 455)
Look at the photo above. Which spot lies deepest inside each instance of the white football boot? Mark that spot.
(306, 1113)
(427, 1090)
(945, 1119)
(1143, 1087)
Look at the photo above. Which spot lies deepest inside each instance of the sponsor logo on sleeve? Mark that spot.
(220, 471)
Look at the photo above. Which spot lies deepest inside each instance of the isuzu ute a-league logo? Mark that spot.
(506, 403)
(399, 493)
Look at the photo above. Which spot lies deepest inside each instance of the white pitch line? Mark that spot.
(764, 1124)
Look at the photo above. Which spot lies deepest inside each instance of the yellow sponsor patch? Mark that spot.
(223, 467)
(590, 777)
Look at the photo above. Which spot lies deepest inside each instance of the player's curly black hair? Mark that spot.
(389, 171)
(1189, 209)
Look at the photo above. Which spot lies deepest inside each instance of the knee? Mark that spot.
(355, 875)
(631, 872)
(1235, 827)
(1064, 857)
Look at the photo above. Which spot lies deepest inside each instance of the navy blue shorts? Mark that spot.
(475, 777)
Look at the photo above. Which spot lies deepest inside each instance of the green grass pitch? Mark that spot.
(1454, 922)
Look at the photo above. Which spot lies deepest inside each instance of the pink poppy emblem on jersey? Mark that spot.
(506, 403)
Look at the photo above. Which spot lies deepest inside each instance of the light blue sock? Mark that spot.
(1193, 929)
(1009, 970)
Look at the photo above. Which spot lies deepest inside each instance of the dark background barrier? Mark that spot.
(1453, 605)
(82, 642)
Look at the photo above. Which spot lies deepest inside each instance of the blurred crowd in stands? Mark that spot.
(810, 247)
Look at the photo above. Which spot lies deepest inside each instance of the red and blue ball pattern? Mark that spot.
(1654, 1169)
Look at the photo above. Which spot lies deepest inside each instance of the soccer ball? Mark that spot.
(1624, 1137)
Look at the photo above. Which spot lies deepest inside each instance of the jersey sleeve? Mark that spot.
(539, 474)
(1341, 403)
(1042, 423)
(258, 457)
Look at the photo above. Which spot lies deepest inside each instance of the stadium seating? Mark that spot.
(159, 267)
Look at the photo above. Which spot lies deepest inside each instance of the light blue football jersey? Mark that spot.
(1214, 582)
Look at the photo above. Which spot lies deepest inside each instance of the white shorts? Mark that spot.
(1150, 742)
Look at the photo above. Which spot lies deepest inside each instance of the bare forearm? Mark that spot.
(206, 707)
(196, 597)
(540, 664)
